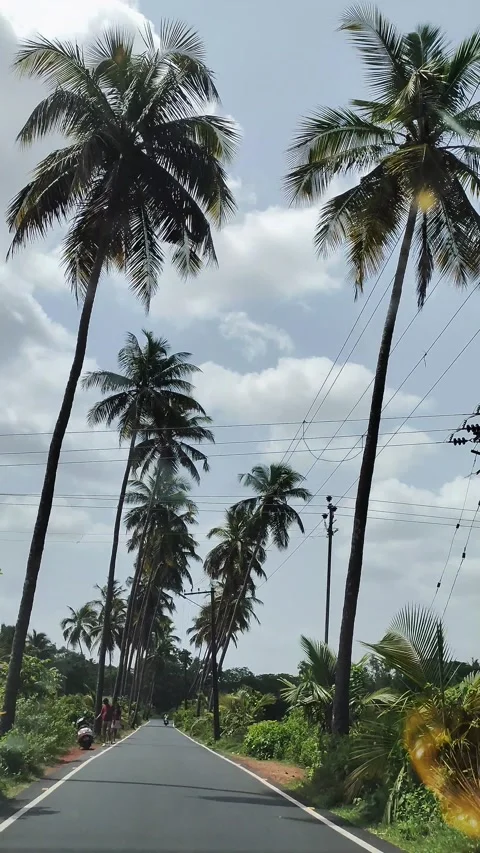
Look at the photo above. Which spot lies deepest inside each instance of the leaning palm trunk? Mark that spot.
(46, 499)
(143, 662)
(111, 580)
(126, 648)
(123, 671)
(341, 714)
(138, 637)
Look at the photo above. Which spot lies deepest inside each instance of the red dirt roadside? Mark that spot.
(72, 757)
(281, 775)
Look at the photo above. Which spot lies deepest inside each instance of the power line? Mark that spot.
(240, 425)
(464, 348)
(209, 500)
(116, 448)
(341, 350)
(223, 455)
(365, 392)
(457, 527)
(462, 560)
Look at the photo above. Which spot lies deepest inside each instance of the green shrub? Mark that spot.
(17, 757)
(329, 776)
(267, 739)
(417, 809)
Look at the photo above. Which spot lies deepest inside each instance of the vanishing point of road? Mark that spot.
(159, 792)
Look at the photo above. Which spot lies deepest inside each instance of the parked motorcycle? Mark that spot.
(85, 735)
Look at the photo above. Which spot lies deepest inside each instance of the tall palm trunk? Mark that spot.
(126, 644)
(139, 633)
(341, 715)
(143, 663)
(122, 671)
(111, 580)
(46, 499)
(240, 597)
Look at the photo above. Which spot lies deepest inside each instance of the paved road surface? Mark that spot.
(159, 792)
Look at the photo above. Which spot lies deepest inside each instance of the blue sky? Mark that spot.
(265, 328)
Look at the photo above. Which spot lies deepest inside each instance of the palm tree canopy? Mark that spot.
(39, 645)
(200, 631)
(116, 620)
(158, 500)
(415, 646)
(151, 381)
(77, 628)
(168, 436)
(414, 146)
(143, 166)
(236, 549)
(274, 486)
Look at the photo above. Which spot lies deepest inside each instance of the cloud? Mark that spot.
(263, 255)
(255, 337)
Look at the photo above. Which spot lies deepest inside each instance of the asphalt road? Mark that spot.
(158, 792)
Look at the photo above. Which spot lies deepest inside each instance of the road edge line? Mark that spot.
(308, 810)
(31, 805)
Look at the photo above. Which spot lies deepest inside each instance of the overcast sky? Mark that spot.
(265, 328)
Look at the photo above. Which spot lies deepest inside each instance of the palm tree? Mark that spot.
(142, 169)
(116, 621)
(77, 628)
(155, 498)
(271, 515)
(159, 523)
(152, 383)
(431, 699)
(417, 168)
(228, 562)
(39, 646)
(200, 632)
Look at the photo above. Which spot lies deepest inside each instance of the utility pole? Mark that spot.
(185, 684)
(213, 654)
(216, 712)
(329, 518)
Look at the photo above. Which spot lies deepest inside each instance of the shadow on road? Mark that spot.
(251, 799)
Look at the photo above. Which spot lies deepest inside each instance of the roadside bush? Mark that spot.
(44, 729)
(293, 739)
(267, 739)
(328, 778)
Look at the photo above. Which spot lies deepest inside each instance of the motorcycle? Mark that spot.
(165, 720)
(85, 736)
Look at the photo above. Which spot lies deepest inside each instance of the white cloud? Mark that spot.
(54, 19)
(255, 337)
(264, 255)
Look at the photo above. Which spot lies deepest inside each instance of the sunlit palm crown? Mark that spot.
(144, 162)
(413, 146)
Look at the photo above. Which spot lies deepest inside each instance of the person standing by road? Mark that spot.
(116, 721)
(107, 716)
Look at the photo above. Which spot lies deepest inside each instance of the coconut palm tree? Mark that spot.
(228, 562)
(116, 620)
(169, 553)
(39, 646)
(142, 169)
(271, 516)
(158, 521)
(200, 632)
(432, 702)
(154, 498)
(152, 383)
(77, 628)
(413, 150)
